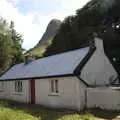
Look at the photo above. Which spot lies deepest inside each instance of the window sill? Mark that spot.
(17, 93)
(54, 94)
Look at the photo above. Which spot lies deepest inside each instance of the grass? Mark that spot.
(16, 111)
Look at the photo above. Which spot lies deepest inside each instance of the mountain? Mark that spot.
(97, 16)
(46, 39)
(51, 31)
(100, 17)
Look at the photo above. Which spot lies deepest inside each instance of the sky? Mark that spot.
(31, 17)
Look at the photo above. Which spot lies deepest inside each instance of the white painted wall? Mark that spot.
(98, 69)
(10, 94)
(104, 98)
(1, 90)
(24, 96)
(71, 93)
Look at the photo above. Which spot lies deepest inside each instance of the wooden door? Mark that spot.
(32, 88)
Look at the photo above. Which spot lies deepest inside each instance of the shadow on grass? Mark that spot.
(104, 114)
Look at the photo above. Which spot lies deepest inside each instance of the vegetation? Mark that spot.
(10, 45)
(97, 17)
(10, 111)
(46, 39)
(39, 50)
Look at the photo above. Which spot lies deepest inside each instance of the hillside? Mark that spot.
(97, 16)
(100, 16)
(46, 39)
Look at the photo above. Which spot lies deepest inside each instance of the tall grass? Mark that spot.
(21, 112)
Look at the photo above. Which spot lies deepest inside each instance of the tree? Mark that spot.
(17, 45)
(97, 16)
(10, 45)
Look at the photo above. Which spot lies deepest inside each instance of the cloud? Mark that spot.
(33, 24)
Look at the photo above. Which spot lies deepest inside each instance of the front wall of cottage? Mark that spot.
(10, 94)
(98, 69)
(23, 96)
(2, 89)
(70, 95)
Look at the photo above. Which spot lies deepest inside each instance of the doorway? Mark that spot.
(32, 91)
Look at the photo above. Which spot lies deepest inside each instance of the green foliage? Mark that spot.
(10, 46)
(39, 50)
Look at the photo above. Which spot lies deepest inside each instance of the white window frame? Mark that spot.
(18, 86)
(1, 86)
(54, 86)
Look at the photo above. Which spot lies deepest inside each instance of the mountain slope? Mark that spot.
(97, 16)
(51, 31)
(46, 39)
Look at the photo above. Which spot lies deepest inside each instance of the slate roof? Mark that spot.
(60, 64)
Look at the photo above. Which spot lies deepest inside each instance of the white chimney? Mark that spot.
(99, 44)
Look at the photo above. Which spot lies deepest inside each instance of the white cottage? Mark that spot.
(60, 81)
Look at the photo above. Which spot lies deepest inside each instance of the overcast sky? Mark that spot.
(31, 17)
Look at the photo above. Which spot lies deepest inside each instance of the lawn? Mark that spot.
(10, 111)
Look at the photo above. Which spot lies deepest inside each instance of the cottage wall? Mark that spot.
(1, 89)
(10, 94)
(98, 69)
(1, 94)
(104, 98)
(24, 96)
(71, 93)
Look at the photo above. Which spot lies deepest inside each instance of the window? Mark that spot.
(18, 86)
(54, 86)
(1, 86)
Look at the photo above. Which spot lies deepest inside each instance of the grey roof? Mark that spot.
(60, 64)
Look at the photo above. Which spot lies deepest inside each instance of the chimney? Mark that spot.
(29, 58)
(98, 42)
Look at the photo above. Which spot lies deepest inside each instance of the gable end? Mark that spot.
(81, 65)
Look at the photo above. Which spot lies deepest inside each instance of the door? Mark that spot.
(32, 89)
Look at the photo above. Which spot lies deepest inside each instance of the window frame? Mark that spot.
(54, 87)
(18, 86)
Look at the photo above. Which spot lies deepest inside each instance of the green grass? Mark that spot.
(27, 112)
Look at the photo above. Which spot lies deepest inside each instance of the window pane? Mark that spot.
(56, 86)
(21, 86)
(15, 86)
(52, 86)
(18, 86)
